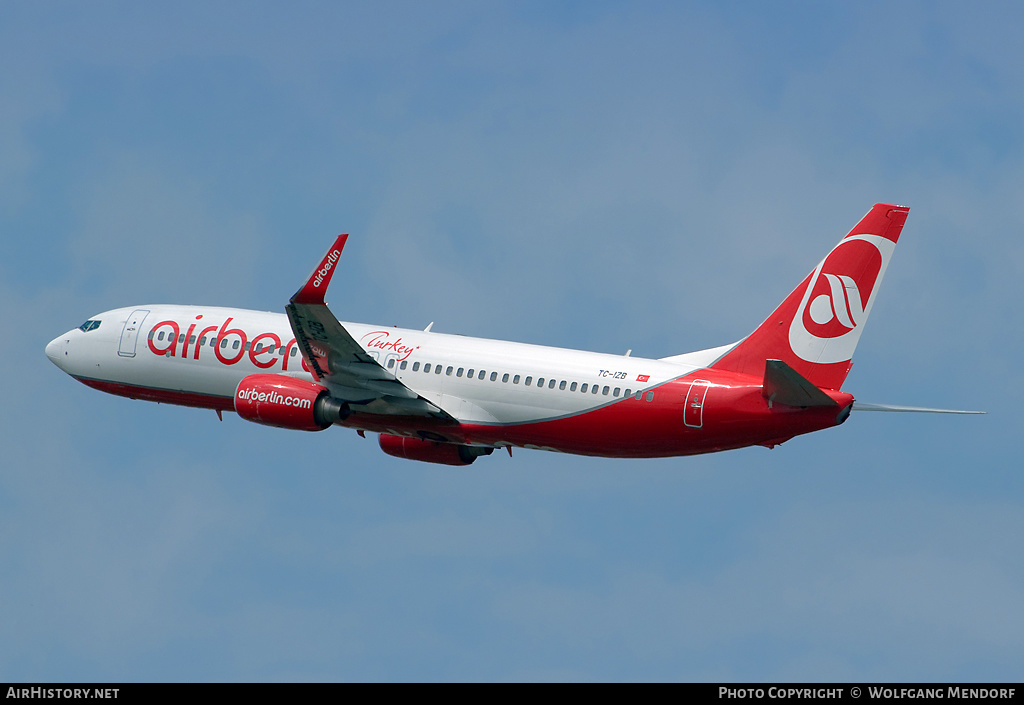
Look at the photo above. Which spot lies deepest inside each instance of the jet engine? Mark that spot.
(430, 451)
(287, 402)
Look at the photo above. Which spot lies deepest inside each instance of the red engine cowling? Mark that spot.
(430, 451)
(282, 401)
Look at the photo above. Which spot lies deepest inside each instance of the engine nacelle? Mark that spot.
(286, 402)
(430, 451)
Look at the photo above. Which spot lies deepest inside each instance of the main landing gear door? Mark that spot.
(130, 334)
(693, 412)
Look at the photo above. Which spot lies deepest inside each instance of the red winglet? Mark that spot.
(316, 286)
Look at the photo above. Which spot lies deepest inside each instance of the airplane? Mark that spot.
(450, 399)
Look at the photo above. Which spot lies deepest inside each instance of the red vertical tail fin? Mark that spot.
(816, 329)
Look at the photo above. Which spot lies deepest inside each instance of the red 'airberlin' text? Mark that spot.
(263, 350)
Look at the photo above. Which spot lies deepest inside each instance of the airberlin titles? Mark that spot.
(272, 397)
(264, 350)
(268, 351)
(326, 267)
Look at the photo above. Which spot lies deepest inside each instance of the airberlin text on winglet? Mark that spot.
(312, 292)
(332, 257)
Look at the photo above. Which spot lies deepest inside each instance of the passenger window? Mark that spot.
(605, 391)
(247, 343)
(449, 371)
(191, 339)
(426, 367)
(528, 381)
(628, 392)
(391, 363)
(151, 334)
(616, 391)
(416, 367)
(480, 374)
(551, 384)
(236, 344)
(494, 376)
(583, 388)
(224, 342)
(540, 381)
(161, 336)
(650, 396)
(515, 380)
(504, 377)
(437, 370)
(459, 373)
(202, 341)
(181, 338)
(405, 363)
(294, 350)
(469, 375)
(561, 385)
(572, 387)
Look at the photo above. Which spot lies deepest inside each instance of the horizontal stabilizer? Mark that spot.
(784, 385)
(861, 406)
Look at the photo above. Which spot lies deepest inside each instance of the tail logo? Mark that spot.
(842, 303)
(838, 299)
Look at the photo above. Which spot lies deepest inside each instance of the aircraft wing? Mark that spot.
(339, 362)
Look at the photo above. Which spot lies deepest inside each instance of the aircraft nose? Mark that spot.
(55, 350)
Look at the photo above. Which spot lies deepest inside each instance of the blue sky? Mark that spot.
(597, 175)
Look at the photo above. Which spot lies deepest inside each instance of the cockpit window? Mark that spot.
(88, 326)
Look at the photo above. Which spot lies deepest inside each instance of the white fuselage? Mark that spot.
(475, 380)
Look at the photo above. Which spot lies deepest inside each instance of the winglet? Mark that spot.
(316, 286)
